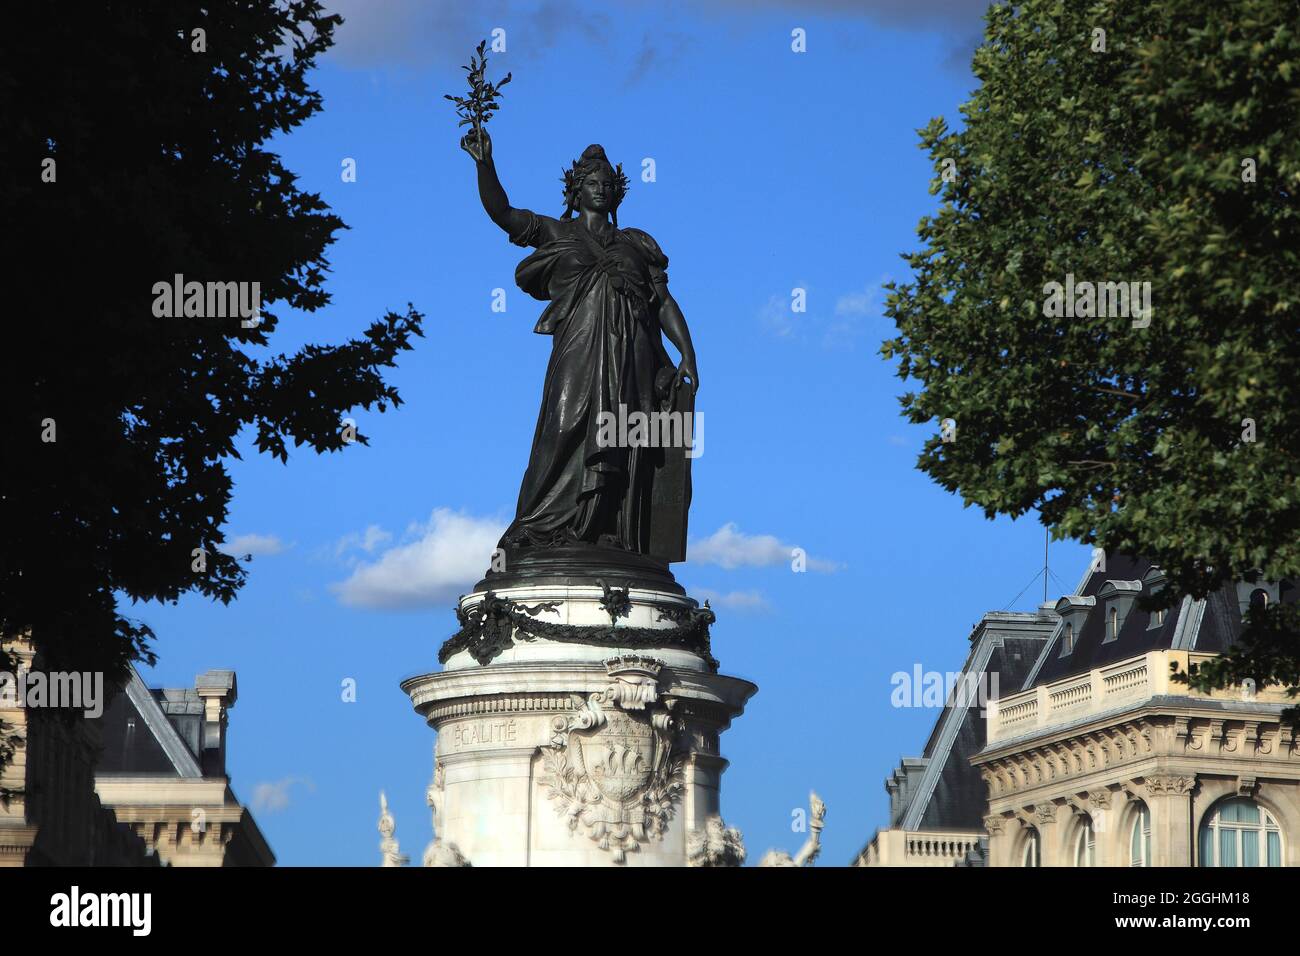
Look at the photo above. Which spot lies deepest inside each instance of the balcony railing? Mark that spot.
(1103, 689)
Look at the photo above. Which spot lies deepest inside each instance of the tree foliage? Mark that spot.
(1128, 164)
(156, 117)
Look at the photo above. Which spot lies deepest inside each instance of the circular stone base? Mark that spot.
(577, 763)
(578, 725)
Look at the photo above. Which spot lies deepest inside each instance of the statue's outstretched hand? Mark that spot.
(478, 144)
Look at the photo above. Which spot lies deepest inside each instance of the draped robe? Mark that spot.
(607, 352)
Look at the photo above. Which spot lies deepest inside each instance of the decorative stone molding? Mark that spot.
(1169, 784)
(634, 681)
(510, 703)
(1246, 786)
(715, 845)
(1250, 736)
(993, 823)
(612, 768)
(1099, 799)
(1132, 792)
(1045, 812)
(438, 853)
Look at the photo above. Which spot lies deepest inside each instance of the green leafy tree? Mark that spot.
(1124, 141)
(135, 150)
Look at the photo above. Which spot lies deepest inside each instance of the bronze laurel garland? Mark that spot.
(494, 625)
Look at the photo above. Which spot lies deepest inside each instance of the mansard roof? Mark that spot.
(1208, 625)
(151, 731)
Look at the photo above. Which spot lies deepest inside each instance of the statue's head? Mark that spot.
(594, 183)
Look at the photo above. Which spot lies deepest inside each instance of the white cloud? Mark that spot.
(365, 541)
(866, 302)
(272, 797)
(731, 548)
(440, 560)
(743, 601)
(258, 545)
(778, 317)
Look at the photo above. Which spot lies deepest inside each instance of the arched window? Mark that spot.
(1085, 846)
(1259, 599)
(1239, 832)
(1112, 624)
(1139, 844)
(1033, 852)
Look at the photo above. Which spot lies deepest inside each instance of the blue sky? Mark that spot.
(775, 170)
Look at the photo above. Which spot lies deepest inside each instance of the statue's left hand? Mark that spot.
(687, 370)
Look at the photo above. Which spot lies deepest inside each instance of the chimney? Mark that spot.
(217, 690)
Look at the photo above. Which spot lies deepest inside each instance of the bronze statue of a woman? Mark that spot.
(609, 306)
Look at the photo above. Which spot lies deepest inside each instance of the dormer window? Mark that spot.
(1153, 582)
(1067, 638)
(1118, 597)
(1259, 600)
(1073, 609)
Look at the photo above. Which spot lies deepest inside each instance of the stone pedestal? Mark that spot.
(577, 725)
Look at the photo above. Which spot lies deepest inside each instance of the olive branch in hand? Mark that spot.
(477, 108)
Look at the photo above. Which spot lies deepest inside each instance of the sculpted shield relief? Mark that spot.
(611, 767)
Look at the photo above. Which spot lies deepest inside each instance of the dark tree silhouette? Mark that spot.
(154, 138)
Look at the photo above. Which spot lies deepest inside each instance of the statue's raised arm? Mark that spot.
(519, 224)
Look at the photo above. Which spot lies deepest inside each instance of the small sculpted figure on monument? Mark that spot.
(388, 848)
(716, 845)
(811, 847)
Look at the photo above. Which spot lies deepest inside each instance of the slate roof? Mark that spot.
(942, 790)
(141, 736)
(1210, 625)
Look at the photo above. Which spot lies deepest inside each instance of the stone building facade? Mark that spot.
(142, 784)
(1100, 758)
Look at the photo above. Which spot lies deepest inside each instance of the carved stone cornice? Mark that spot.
(1105, 751)
(1169, 784)
(1132, 792)
(1099, 799)
(1250, 736)
(502, 704)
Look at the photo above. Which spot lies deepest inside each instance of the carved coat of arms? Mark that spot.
(612, 766)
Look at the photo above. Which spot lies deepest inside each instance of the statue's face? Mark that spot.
(597, 190)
